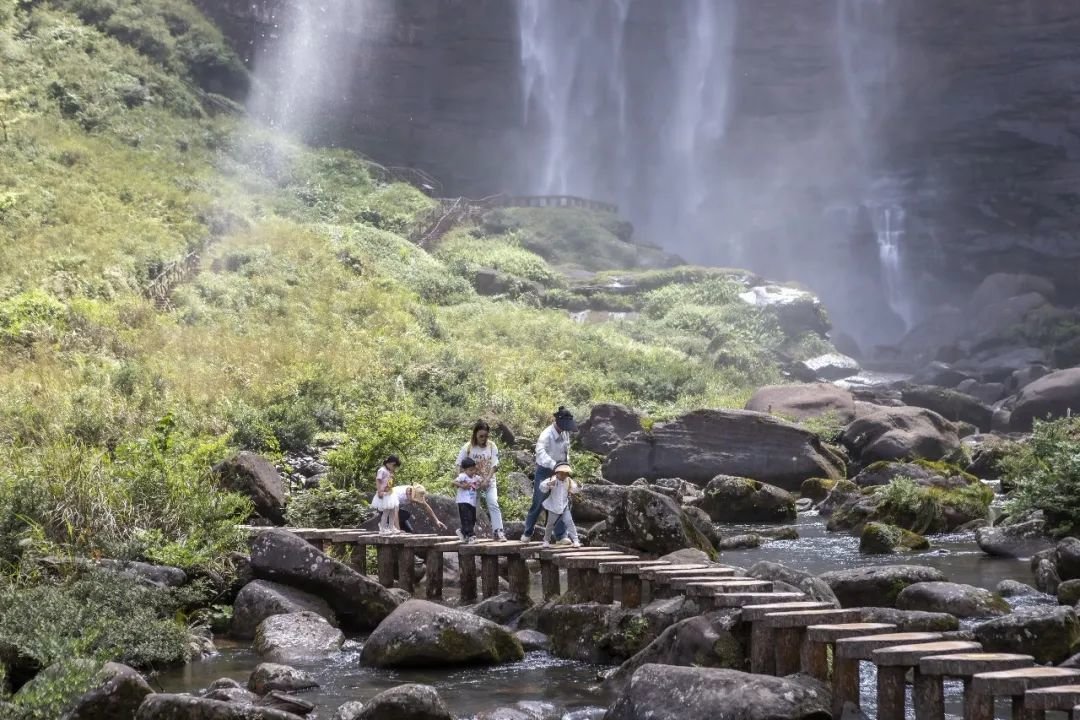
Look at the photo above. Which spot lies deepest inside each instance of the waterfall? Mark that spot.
(889, 227)
(305, 70)
(642, 131)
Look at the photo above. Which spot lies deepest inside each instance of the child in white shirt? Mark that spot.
(467, 483)
(559, 488)
(386, 500)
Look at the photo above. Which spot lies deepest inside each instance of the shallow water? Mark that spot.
(572, 685)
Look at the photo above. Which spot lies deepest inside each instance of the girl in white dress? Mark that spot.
(386, 500)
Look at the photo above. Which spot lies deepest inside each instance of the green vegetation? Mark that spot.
(884, 539)
(921, 509)
(1044, 473)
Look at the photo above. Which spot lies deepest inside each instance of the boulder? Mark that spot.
(652, 523)
(349, 711)
(681, 491)
(912, 620)
(595, 501)
(1053, 396)
(159, 575)
(710, 640)
(884, 539)
(797, 311)
(963, 601)
(877, 586)
(1049, 634)
(1015, 588)
(1067, 558)
(734, 499)
(163, 706)
(702, 444)
(255, 477)
(1046, 577)
(533, 640)
(287, 702)
(1014, 541)
(1001, 286)
(360, 603)
(525, 710)
(923, 472)
(1068, 592)
(502, 608)
(236, 695)
(841, 493)
(117, 692)
(814, 587)
(268, 677)
(603, 634)
(949, 404)
(744, 541)
(662, 692)
(688, 557)
(899, 433)
(803, 402)
(260, 599)
(423, 634)
(297, 636)
(606, 426)
(827, 367)
(406, 702)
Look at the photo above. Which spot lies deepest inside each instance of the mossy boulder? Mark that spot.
(599, 634)
(423, 634)
(1049, 634)
(817, 489)
(885, 539)
(877, 586)
(406, 702)
(928, 473)
(911, 506)
(736, 499)
(653, 523)
(1068, 592)
(899, 433)
(963, 601)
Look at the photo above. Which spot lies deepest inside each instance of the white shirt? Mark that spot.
(559, 498)
(401, 491)
(552, 448)
(486, 457)
(465, 494)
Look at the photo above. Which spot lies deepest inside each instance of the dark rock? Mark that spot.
(877, 586)
(963, 601)
(261, 599)
(745, 541)
(349, 711)
(1068, 592)
(652, 523)
(987, 452)
(688, 556)
(423, 634)
(827, 367)
(1025, 376)
(238, 696)
(606, 427)
(681, 491)
(802, 402)
(601, 634)
(268, 677)
(287, 703)
(595, 502)
(842, 493)
(949, 404)
(816, 489)
(710, 640)
(900, 433)
(700, 445)
(1014, 588)
(1067, 558)
(532, 640)
(117, 692)
(255, 477)
(502, 608)
(814, 587)
(884, 539)
(360, 603)
(1046, 577)
(163, 706)
(1014, 541)
(1053, 396)
(159, 575)
(297, 636)
(940, 374)
(735, 499)
(912, 620)
(406, 702)
(662, 692)
(1049, 634)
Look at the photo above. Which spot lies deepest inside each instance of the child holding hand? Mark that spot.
(559, 488)
(467, 483)
(386, 500)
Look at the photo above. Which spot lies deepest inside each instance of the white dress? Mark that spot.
(389, 501)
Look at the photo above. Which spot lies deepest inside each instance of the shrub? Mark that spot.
(1045, 474)
(465, 253)
(328, 506)
(911, 506)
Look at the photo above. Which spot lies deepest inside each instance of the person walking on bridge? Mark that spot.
(485, 454)
(552, 450)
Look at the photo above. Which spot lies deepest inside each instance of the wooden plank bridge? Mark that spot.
(789, 632)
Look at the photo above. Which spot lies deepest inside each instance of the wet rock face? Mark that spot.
(964, 601)
(261, 599)
(733, 499)
(297, 636)
(877, 586)
(406, 702)
(1049, 634)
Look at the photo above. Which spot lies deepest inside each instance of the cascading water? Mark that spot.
(889, 227)
(643, 132)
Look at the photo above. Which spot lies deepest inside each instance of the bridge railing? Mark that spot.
(556, 201)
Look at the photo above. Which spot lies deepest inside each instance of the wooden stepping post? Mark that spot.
(648, 577)
(726, 601)
(1063, 698)
(467, 570)
(518, 573)
(893, 664)
(406, 563)
(789, 628)
(762, 657)
(549, 572)
(1014, 684)
(929, 691)
(819, 638)
(579, 564)
(853, 650)
(434, 567)
(387, 560)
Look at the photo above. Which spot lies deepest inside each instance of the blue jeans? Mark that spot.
(542, 474)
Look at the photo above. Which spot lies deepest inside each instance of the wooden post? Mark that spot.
(788, 646)
(891, 683)
(359, 558)
(406, 563)
(762, 649)
(468, 578)
(573, 581)
(518, 570)
(646, 589)
(605, 589)
(929, 697)
(845, 684)
(489, 571)
(976, 705)
(630, 590)
(549, 578)
(814, 659)
(387, 565)
(434, 568)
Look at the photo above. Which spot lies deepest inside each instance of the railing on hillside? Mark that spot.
(160, 288)
(554, 201)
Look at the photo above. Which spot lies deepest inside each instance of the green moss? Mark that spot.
(882, 539)
(817, 489)
(945, 469)
(906, 504)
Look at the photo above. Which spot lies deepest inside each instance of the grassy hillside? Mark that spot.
(177, 284)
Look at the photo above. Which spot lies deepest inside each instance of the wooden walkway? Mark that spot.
(789, 632)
